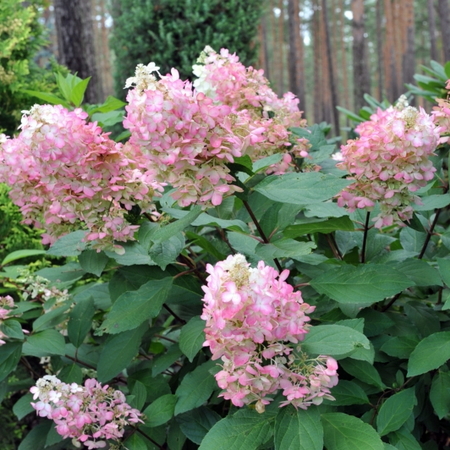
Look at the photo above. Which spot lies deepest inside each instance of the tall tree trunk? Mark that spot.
(326, 107)
(280, 48)
(296, 54)
(318, 74)
(361, 76)
(344, 67)
(389, 54)
(76, 48)
(432, 28)
(445, 27)
(379, 48)
(332, 81)
(263, 47)
(408, 55)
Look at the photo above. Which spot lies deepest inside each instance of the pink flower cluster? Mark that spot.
(441, 116)
(389, 161)
(6, 307)
(185, 136)
(254, 322)
(65, 173)
(89, 414)
(223, 78)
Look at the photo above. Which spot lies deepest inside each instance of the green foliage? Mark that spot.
(172, 33)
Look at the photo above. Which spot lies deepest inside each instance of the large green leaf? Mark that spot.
(420, 272)
(9, 357)
(160, 411)
(361, 284)
(440, 394)
(196, 423)
(333, 340)
(23, 406)
(44, 343)
(37, 437)
(430, 354)
(344, 432)
(246, 430)
(301, 188)
(363, 371)
(195, 388)
(323, 226)
(166, 252)
(118, 352)
(395, 411)
(19, 254)
(192, 337)
(80, 321)
(134, 307)
(69, 245)
(347, 393)
(298, 429)
(92, 261)
(284, 248)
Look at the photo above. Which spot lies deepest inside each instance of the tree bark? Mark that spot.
(76, 48)
(361, 76)
(409, 50)
(432, 28)
(318, 74)
(296, 54)
(445, 27)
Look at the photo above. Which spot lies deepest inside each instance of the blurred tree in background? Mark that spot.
(172, 33)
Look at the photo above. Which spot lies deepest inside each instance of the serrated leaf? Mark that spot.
(395, 411)
(404, 440)
(23, 406)
(139, 393)
(298, 429)
(347, 393)
(134, 253)
(135, 442)
(71, 374)
(118, 352)
(92, 261)
(400, 346)
(192, 337)
(361, 284)
(80, 321)
(444, 269)
(162, 362)
(160, 411)
(166, 252)
(440, 394)
(301, 188)
(344, 432)
(9, 357)
(313, 226)
(420, 272)
(247, 430)
(432, 202)
(196, 423)
(284, 248)
(69, 245)
(44, 343)
(51, 318)
(195, 388)
(37, 437)
(134, 307)
(333, 340)
(363, 371)
(12, 329)
(430, 353)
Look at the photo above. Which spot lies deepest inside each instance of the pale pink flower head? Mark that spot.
(389, 162)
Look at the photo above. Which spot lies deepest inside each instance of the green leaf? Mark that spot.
(395, 411)
(333, 340)
(344, 432)
(134, 307)
(80, 321)
(284, 248)
(400, 346)
(160, 411)
(195, 388)
(196, 423)
(444, 269)
(162, 362)
(47, 97)
(404, 440)
(207, 246)
(440, 394)
(166, 252)
(23, 406)
(9, 357)
(246, 430)
(110, 104)
(430, 354)
(134, 253)
(363, 371)
(68, 273)
(368, 283)
(139, 392)
(118, 352)
(44, 343)
(12, 329)
(420, 272)
(68, 245)
(175, 437)
(19, 254)
(135, 442)
(37, 437)
(92, 261)
(192, 337)
(313, 226)
(77, 94)
(164, 233)
(51, 318)
(108, 119)
(432, 202)
(71, 374)
(301, 188)
(347, 393)
(298, 429)
(262, 164)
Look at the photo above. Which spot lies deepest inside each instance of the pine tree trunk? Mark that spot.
(344, 67)
(318, 94)
(408, 55)
(280, 48)
(332, 81)
(432, 28)
(76, 48)
(296, 54)
(379, 13)
(361, 77)
(389, 55)
(445, 27)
